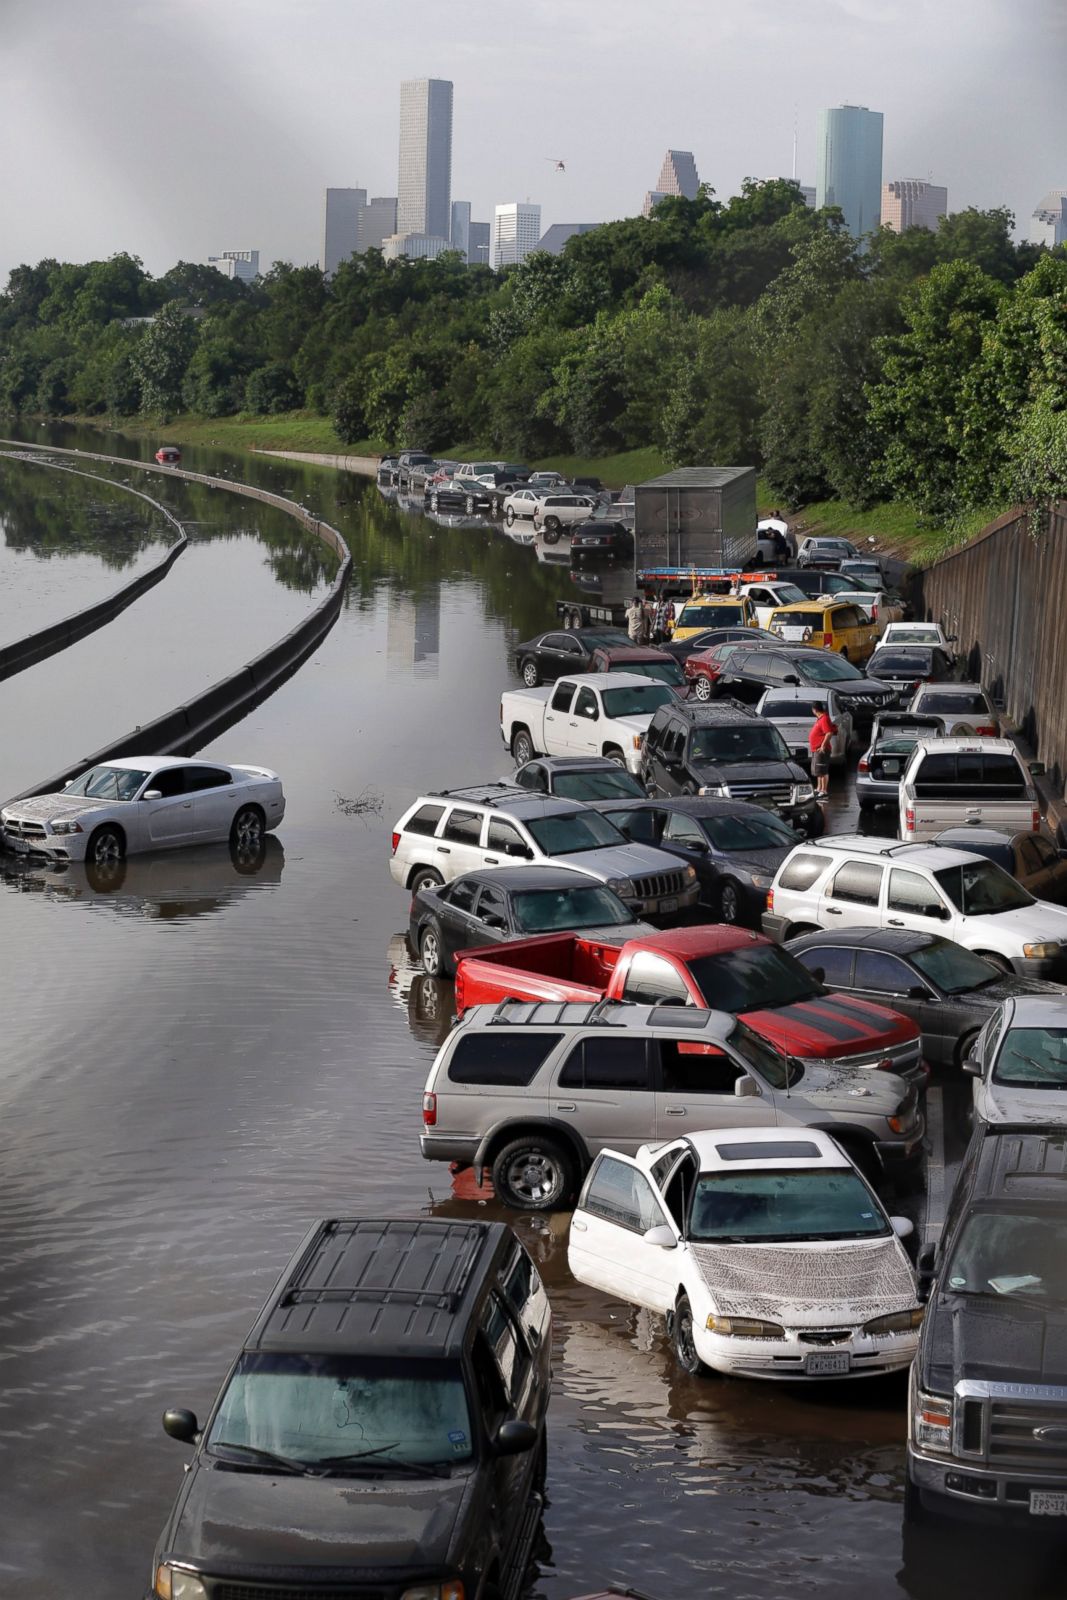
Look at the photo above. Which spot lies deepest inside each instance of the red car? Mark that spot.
(645, 660)
(702, 668)
(168, 455)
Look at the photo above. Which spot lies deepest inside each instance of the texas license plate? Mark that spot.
(827, 1364)
(1048, 1503)
(667, 906)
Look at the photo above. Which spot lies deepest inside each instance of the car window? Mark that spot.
(586, 706)
(652, 979)
(609, 782)
(523, 1291)
(531, 777)
(492, 907)
(504, 1057)
(834, 961)
(686, 830)
(572, 832)
(858, 882)
(562, 695)
(981, 888)
(169, 782)
(636, 699)
(505, 837)
(908, 891)
(620, 1194)
(462, 894)
(606, 1064)
(877, 970)
(463, 827)
(639, 825)
(512, 1357)
(425, 820)
(197, 778)
(801, 872)
(738, 742)
(707, 1071)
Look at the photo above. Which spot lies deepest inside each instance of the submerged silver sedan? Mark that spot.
(139, 803)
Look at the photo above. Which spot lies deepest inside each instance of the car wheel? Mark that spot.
(434, 503)
(963, 1049)
(425, 878)
(1000, 962)
(613, 753)
(551, 530)
(106, 844)
(815, 824)
(246, 831)
(509, 515)
(431, 951)
(105, 877)
(702, 687)
(531, 673)
(729, 902)
(574, 619)
(685, 1349)
(522, 749)
(533, 1174)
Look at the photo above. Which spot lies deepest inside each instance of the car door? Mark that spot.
(585, 724)
(851, 895)
(607, 1248)
(215, 802)
(912, 901)
(669, 763)
(169, 819)
(492, 924)
(458, 849)
(504, 1392)
(684, 836)
(560, 721)
(889, 981)
(697, 1089)
(455, 915)
(558, 653)
(504, 843)
(603, 1090)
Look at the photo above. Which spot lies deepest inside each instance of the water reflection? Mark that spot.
(414, 638)
(50, 513)
(428, 1003)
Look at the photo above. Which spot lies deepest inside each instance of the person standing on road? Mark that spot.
(636, 621)
(662, 618)
(820, 742)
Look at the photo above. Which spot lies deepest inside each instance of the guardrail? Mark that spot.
(34, 647)
(187, 727)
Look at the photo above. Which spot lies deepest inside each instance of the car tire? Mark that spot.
(522, 749)
(702, 689)
(914, 1510)
(613, 753)
(246, 829)
(434, 503)
(573, 619)
(106, 843)
(530, 673)
(533, 1173)
(551, 529)
(729, 907)
(1000, 962)
(425, 878)
(685, 1350)
(815, 825)
(431, 951)
(509, 515)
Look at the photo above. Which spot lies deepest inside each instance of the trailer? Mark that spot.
(696, 517)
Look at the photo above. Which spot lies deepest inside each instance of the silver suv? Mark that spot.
(455, 831)
(532, 1092)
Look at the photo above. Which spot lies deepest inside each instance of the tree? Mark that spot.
(272, 389)
(712, 409)
(161, 359)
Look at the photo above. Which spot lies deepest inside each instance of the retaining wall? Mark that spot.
(366, 466)
(188, 727)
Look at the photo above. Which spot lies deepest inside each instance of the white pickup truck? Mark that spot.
(597, 714)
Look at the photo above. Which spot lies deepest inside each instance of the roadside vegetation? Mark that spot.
(907, 387)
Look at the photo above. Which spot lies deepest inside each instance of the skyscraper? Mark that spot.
(1048, 224)
(424, 196)
(459, 235)
(340, 227)
(479, 244)
(678, 175)
(516, 230)
(849, 171)
(377, 222)
(913, 203)
(242, 264)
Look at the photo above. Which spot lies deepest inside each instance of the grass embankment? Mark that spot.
(900, 529)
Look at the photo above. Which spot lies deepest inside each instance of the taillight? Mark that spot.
(986, 730)
(909, 820)
(827, 641)
(429, 1111)
(864, 766)
(874, 613)
(770, 899)
(1035, 820)
(396, 841)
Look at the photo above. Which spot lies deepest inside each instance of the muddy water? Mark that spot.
(202, 1059)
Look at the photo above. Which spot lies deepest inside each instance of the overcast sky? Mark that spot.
(175, 129)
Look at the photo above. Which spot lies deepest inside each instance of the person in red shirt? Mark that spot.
(819, 742)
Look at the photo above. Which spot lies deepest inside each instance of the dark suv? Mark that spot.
(749, 673)
(725, 750)
(382, 1432)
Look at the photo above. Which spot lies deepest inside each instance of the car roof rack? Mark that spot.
(482, 793)
(443, 1299)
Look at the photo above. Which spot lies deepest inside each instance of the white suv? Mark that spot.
(555, 511)
(858, 882)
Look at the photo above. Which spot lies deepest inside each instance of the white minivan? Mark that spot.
(978, 782)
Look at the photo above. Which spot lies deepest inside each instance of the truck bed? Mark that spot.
(553, 966)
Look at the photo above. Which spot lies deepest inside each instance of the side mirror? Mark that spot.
(818, 973)
(181, 1425)
(792, 679)
(68, 783)
(916, 992)
(1037, 768)
(972, 1066)
(513, 1438)
(926, 1270)
(661, 1236)
(903, 1227)
(746, 1088)
(152, 794)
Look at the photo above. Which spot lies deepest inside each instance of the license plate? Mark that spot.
(20, 846)
(667, 906)
(828, 1364)
(1048, 1503)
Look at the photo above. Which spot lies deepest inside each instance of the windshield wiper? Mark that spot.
(420, 1469)
(283, 1463)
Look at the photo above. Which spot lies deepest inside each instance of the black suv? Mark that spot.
(748, 673)
(382, 1432)
(726, 750)
(987, 1435)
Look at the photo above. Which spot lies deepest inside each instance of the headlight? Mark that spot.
(638, 741)
(450, 1590)
(174, 1584)
(758, 881)
(896, 1322)
(744, 1328)
(905, 1121)
(690, 873)
(60, 825)
(932, 1422)
(802, 792)
(620, 886)
(1040, 950)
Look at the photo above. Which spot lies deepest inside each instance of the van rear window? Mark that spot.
(500, 1056)
(971, 776)
(425, 820)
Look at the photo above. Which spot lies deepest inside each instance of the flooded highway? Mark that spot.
(202, 1054)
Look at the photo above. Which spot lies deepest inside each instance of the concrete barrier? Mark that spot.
(186, 728)
(365, 466)
(57, 636)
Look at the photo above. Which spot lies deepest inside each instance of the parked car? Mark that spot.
(818, 551)
(894, 736)
(965, 708)
(818, 583)
(866, 567)
(852, 881)
(765, 1249)
(600, 537)
(907, 667)
(522, 502)
(749, 674)
(135, 803)
(950, 992)
(554, 512)
(728, 751)
(383, 1424)
(646, 661)
(735, 848)
(502, 903)
(843, 628)
(1019, 1064)
(708, 639)
(578, 778)
(987, 1417)
(878, 605)
(551, 1094)
(929, 634)
(1032, 860)
(168, 455)
(793, 712)
(769, 595)
(602, 713)
(709, 968)
(713, 611)
(548, 655)
(456, 831)
(951, 782)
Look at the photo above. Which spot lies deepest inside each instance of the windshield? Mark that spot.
(919, 635)
(317, 1408)
(722, 615)
(787, 594)
(746, 741)
(551, 910)
(748, 833)
(981, 888)
(797, 619)
(636, 700)
(754, 977)
(107, 783)
(825, 667)
(604, 783)
(771, 1207)
(960, 704)
(900, 663)
(1009, 1253)
(1033, 1058)
(952, 969)
(573, 832)
(661, 671)
(790, 705)
(774, 1068)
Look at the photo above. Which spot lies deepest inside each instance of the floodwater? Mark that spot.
(200, 1058)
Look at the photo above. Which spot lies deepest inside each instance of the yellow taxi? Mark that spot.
(714, 611)
(844, 627)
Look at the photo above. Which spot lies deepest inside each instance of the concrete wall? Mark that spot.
(366, 466)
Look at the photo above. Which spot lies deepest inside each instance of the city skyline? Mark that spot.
(283, 80)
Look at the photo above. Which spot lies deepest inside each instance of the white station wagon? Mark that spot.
(765, 1248)
(137, 803)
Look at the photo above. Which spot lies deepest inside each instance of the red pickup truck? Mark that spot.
(713, 967)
